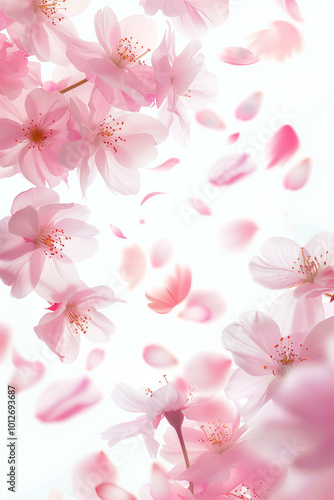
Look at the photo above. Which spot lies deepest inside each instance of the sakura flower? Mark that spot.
(116, 144)
(307, 270)
(40, 27)
(117, 65)
(40, 242)
(182, 83)
(78, 315)
(265, 356)
(191, 17)
(33, 129)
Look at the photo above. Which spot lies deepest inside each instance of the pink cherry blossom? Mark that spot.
(117, 64)
(40, 242)
(182, 83)
(78, 315)
(41, 28)
(191, 17)
(264, 356)
(33, 129)
(115, 144)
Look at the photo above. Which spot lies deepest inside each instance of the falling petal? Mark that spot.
(117, 232)
(293, 9)
(66, 398)
(236, 235)
(200, 206)
(238, 56)
(158, 356)
(148, 196)
(167, 165)
(249, 108)
(231, 168)
(298, 175)
(210, 119)
(164, 299)
(232, 138)
(27, 373)
(278, 42)
(203, 306)
(207, 370)
(282, 146)
(91, 471)
(161, 252)
(94, 358)
(109, 491)
(133, 265)
(4, 340)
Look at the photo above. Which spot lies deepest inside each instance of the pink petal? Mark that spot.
(298, 175)
(94, 358)
(66, 398)
(203, 306)
(230, 169)
(210, 119)
(109, 491)
(207, 370)
(161, 252)
(117, 232)
(5, 335)
(278, 42)
(148, 196)
(294, 10)
(201, 207)
(160, 485)
(238, 56)
(249, 107)
(282, 146)
(91, 471)
(158, 356)
(167, 165)
(232, 138)
(164, 299)
(27, 373)
(133, 265)
(236, 235)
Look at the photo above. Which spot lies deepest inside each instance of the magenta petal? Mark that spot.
(117, 232)
(97, 468)
(249, 108)
(66, 398)
(207, 370)
(148, 196)
(166, 165)
(109, 491)
(210, 119)
(94, 358)
(158, 356)
(200, 206)
(27, 373)
(232, 139)
(236, 235)
(161, 252)
(133, 265)
(238, 56)
(298, 175)
(282, 146)
(230, 169)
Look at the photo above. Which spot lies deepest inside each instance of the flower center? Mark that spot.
(37, 135)
(108, 135)
(50, 9)
(243, 493)
(52, 242)
(216, 437)
(285, 357)
(128, 52)
(308, 268)
(78, 321)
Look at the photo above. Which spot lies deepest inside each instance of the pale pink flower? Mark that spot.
(117, 65)
(78, 315)
(308, 271)
(191, 17)
(115, 144)
(33, 128)
(182, 83)
(40, 242)
(41, 27)
(264, 356)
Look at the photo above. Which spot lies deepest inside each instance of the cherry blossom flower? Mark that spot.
(265, 356)
(117, 65)
(33, 129)
(61, 328)
(307, 270)
(116, 144)
(182, 83)
(40, 27)
(191, 17)
(40, 242)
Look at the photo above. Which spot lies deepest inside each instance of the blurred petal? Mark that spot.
(203, 306)
(161, 252)
(91, 471)
(278, 42)
(210, 119)
(27, 373)
(298, 175)
(109, 491)
(249, 108)
(94, 358)
(236, 235)
(231, 168)
(158, 356)
(238, 56)
(207, 370)
(133, 265)
(282, 146)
